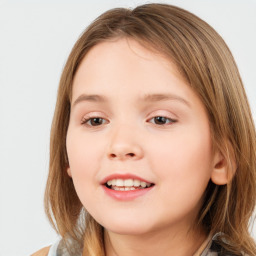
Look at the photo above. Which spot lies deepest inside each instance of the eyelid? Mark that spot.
(164, 113)
(93, 115)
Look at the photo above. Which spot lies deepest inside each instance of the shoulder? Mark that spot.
(48, 251)
(43, 252)
(216, 247)
(60, 248)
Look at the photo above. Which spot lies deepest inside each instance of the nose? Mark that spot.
(124, 145)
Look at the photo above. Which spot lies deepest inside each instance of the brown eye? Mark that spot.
(162, 120)
(95, 121)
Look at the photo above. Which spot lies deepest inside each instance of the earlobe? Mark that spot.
(223, 171)
(69, 172)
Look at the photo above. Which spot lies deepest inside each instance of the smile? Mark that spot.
(126, 186)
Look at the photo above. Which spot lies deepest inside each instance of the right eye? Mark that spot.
(92, 121)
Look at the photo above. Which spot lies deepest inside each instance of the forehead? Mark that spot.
(127, 62)
(140, 49)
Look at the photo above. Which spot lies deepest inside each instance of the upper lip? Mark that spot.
(122, 176)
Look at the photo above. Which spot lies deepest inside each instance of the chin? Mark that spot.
(128, 231)
(128, 227)
(127, 222)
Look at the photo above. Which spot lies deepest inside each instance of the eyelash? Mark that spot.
(85, 120)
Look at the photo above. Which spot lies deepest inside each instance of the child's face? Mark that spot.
(173, 153)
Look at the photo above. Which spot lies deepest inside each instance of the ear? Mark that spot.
(223, 170)
(69, 172)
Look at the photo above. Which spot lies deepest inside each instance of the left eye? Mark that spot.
(162, 120)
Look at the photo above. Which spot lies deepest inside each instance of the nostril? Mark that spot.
(130, 154)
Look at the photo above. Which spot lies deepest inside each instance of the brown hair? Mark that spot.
(207, 64)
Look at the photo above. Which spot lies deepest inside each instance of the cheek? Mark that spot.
(184, 159)
(182, 165)
(82, 150)
(84, 154)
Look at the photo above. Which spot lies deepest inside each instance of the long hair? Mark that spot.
(207, 64)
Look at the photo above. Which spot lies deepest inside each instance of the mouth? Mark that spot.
(127, 184)
(126, 187)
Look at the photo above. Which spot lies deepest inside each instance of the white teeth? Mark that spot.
(143, 184)
(123, 189)
(130, 183)
(136, 183)
(119, 183)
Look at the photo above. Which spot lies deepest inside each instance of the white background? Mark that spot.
(35, 40)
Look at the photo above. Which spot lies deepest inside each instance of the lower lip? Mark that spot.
(126, 195)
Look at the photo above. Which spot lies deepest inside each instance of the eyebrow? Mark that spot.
(146, 98)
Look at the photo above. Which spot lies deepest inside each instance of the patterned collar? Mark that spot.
(210, 247)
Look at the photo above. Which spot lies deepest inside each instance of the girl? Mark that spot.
(153, 144)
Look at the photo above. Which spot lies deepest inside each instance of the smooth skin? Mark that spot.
(129, 136)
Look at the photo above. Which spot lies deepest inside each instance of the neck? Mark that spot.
(163, 243)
